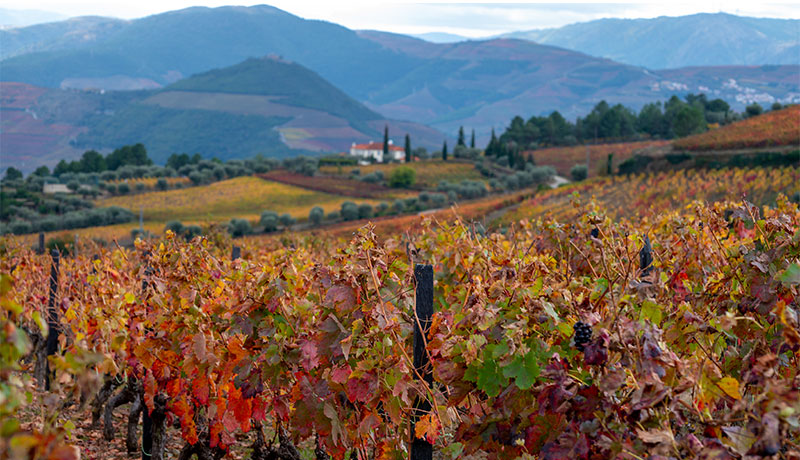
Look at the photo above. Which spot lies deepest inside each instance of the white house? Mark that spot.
(375, 150)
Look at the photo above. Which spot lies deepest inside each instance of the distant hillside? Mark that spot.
(478, 84)
(261, 106)
(668, 42)
(441, 37)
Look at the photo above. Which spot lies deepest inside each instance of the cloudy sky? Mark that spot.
(463, 18)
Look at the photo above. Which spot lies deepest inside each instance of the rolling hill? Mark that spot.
(266, 105)
(684, 41)
(478, 84)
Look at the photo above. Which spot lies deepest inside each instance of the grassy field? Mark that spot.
(150, 182)
(429, 173)
(564, 158)
(776, 128)
(245, 197)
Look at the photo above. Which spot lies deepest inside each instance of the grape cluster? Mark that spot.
(583, 334)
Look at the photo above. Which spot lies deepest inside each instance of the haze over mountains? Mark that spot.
(667, 42)
(479, 84)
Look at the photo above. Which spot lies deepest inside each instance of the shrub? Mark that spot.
(19, 227)
(349, 211)
(373, 177)
(438, 200)
(402, 177)
(123, 188)
(175, 225)
(579, 172)
(239, 227)
(269, 220)
(333, 215)
(63, 244)
(398, 206)
(287, 220)
(191, 231)
(73, 185)
(162, 184)
(355, 172)
(139, 186)
(196, 178)
(382, 208)
(316, 215)
(364, 211)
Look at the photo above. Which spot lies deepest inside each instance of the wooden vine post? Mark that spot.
(40, 249)
(421, 449)
(236, 253)
(53, 329)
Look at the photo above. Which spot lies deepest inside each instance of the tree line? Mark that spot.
(673, 118)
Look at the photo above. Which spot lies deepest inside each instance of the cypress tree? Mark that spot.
(386, 144)
(472, 139)
(408, 149)
(461, 136)
(444, 151)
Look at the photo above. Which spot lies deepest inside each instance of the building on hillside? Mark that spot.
(374, 150)
(55, 188)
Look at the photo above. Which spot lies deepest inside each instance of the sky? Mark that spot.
(462, 18)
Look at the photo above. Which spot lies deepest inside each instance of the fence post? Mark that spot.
(421, 449)
(236, 253)
(53, 329)
(147, 420)
(41, 243)
(646, 257)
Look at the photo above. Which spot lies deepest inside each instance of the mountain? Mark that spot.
(683, 41)
(266, 105)
(73, 33)
(479, 84)
(22, 18)
(440, 37)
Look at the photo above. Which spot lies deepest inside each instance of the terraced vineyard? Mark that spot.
(645, 196)
(564, 158)
(575, 333)
(776, 128)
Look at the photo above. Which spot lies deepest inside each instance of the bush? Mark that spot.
(191, 231)
(579, 172)
(373, 177)
(334, 215)
(382, 208)
(161, 184)
(316, 215)
(196, 178)
(239, 227)
(349, 211)
(402, 177)
(175, 225)
(438, 200)
(20, 227)
(364, 211)
(123, 188)
(287, 220)
(355, 172)
(398, 206)
(73, 185)
(139, 186)
(269, 220)
(63, 244)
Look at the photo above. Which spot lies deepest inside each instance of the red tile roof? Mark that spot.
(377, 146)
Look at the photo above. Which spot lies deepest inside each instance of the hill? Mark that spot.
(775, 128)
(445, 85)
(267, 105)
(683, 41)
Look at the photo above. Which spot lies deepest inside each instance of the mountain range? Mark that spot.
(667, 42)
(479, 84)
